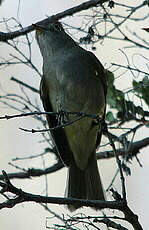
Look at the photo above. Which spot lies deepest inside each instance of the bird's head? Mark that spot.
(51, 36)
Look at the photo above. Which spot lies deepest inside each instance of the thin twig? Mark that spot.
(24, 84)
(118, 162)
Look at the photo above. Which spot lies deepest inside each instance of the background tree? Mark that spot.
(100, 23)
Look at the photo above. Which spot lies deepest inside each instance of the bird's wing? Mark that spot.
(101, 71)
(58, 135)
(103, 78)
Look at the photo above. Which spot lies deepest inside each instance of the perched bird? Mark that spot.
(73, 81)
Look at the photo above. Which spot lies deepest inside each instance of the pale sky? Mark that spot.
(15, 143)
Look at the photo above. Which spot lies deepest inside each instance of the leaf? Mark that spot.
(116, 100)
(110, 77)
(110, 116)
(142, 89)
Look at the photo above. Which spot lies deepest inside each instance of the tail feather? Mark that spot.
(84, 184)
(93, 181)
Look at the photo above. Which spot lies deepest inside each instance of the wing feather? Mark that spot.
(58, 135)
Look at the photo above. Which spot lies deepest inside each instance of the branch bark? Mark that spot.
(133, 150)
(21, 197)
(4, 37)
(33, 172)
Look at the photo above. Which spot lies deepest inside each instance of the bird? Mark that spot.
(73, 81)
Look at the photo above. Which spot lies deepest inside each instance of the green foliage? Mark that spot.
(110, 116)
(126, 110)
(142, 89)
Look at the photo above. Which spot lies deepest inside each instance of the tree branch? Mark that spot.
(118, 161)
(134, 148)
(25, 85)
(33, 172)
(4, 37)
(21, 197)
(110, 223)
(132, 218)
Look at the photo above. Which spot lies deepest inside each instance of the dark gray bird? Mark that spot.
(73, 81)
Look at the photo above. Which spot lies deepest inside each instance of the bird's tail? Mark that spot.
(84, 184)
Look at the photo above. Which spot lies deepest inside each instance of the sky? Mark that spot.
(15, 143)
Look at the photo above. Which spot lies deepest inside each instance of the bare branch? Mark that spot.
(4, 37)
(134, 148)
(117, 160)
(112, 224)
(78, 114)
(24, 84)
(26, 115)
(32, 172)
(21, 197)
(24, 197)
(53, 128)
(129, 68)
